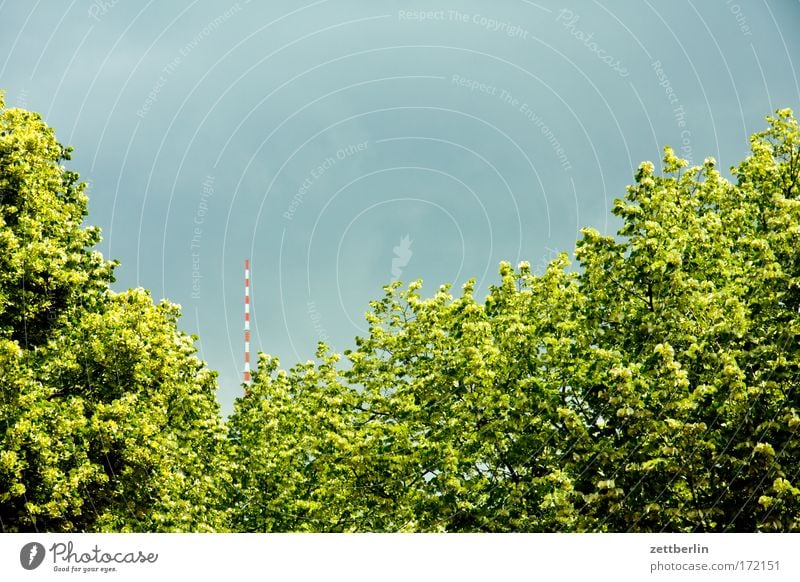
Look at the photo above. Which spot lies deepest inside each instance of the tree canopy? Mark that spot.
(654, 388)
(108, 422)
(651, 385)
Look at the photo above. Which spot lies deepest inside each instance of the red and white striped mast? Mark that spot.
(247, 321)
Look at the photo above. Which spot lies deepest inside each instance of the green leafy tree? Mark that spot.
(694, 315)
(292, 438)
(463, 409)
(108, 422)
(655, 388)
(47, 265)
(433, 427)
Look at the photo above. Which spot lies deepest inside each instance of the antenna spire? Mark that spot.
(247, 321)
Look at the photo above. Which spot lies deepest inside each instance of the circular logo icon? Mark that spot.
(31, 555)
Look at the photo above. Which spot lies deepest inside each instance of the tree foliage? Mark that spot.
(108, 422)
(653, 388)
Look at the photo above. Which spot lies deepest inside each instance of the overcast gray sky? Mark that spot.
(340, 144)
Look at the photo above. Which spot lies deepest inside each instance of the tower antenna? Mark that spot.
(247, 321)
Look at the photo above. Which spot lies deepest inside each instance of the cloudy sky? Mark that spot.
(341, 145)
